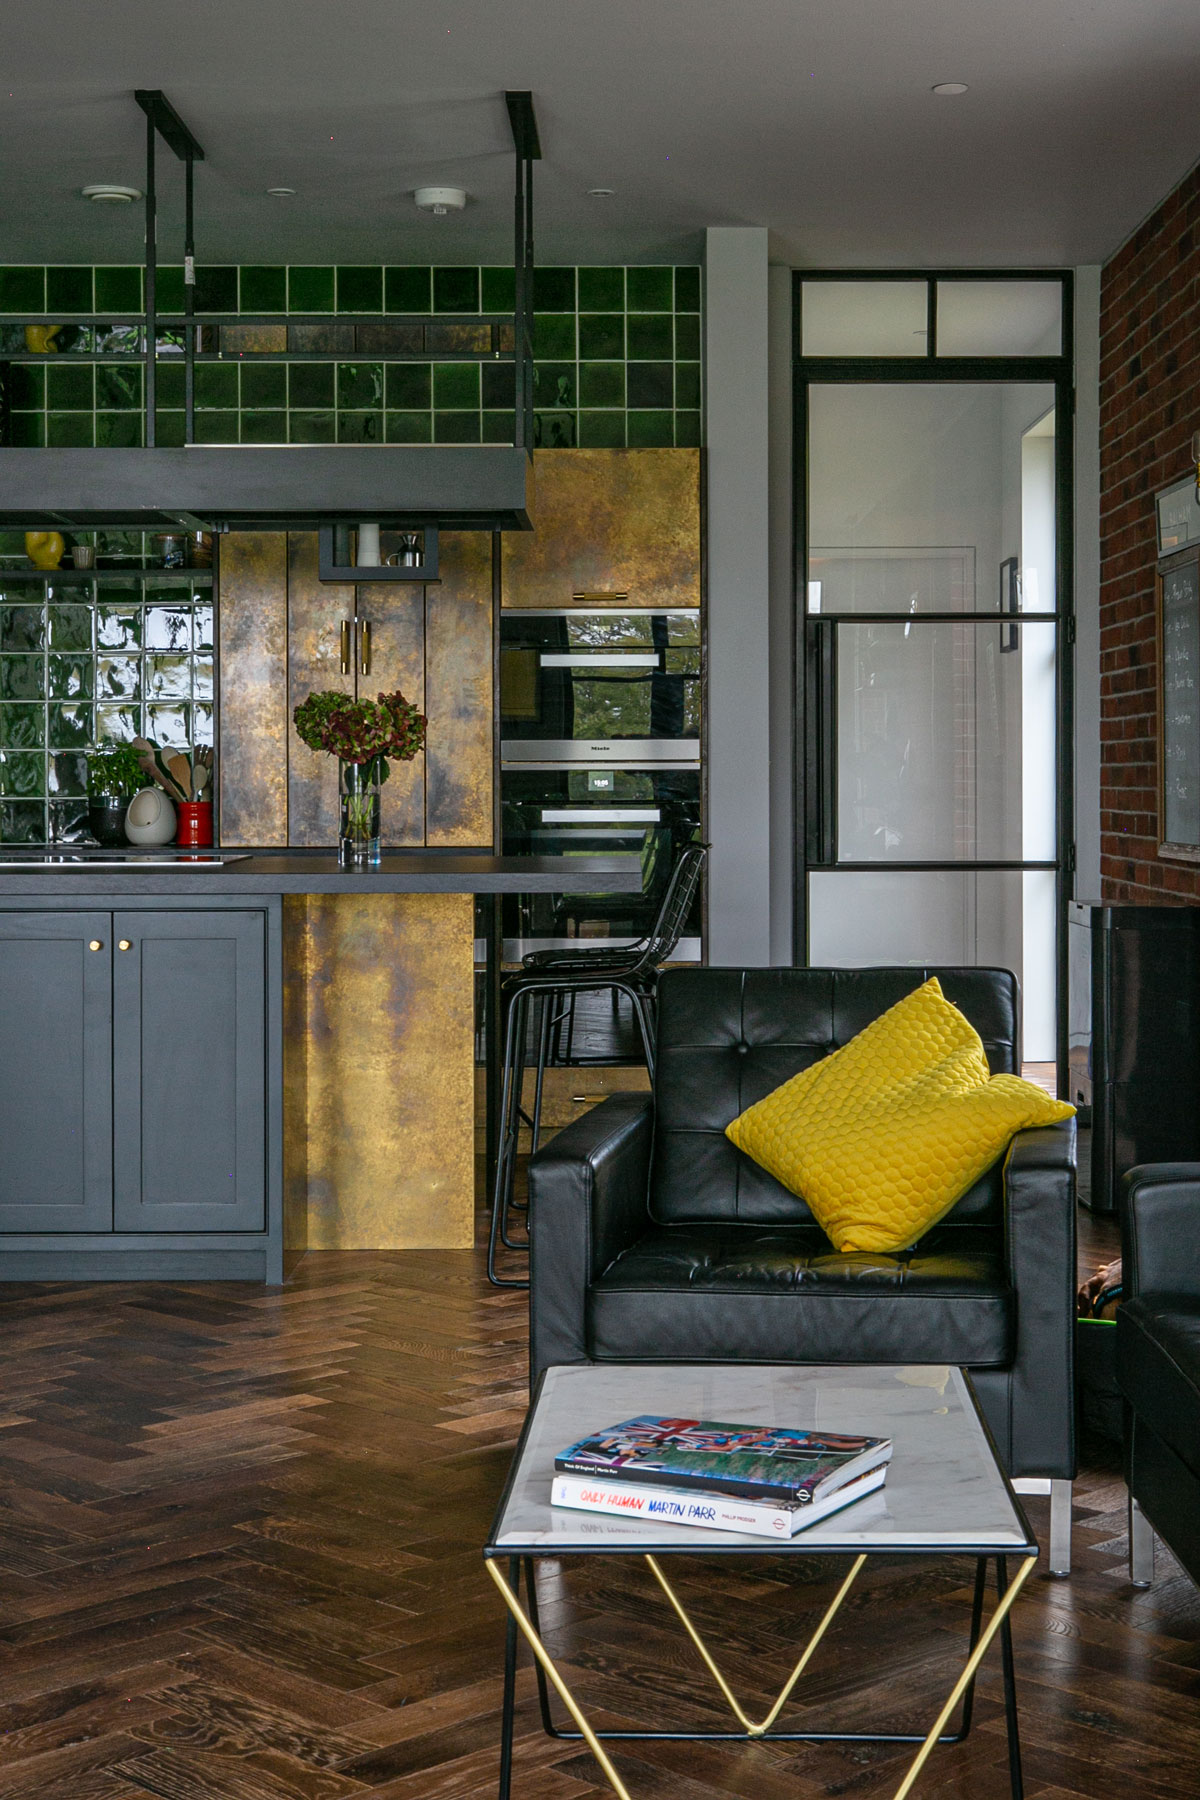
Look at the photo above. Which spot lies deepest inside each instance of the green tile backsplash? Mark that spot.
(617, 356)
(82, 662)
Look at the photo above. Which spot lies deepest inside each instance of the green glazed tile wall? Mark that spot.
(617, 357)
(82, 662)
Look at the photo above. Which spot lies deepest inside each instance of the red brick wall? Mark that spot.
(1149, 407)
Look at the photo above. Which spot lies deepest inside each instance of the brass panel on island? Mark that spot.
(254, 722)
(383, 991)
(611, 528)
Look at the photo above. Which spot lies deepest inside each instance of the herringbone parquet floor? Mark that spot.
(239, 1560)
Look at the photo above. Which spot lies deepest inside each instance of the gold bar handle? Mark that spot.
(364, 646)
(601, 594)
(345, 646)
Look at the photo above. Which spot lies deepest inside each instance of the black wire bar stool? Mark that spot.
(551, 980)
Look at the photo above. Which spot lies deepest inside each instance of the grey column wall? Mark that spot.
(739, 625)
(783, 624)
(1087, 582)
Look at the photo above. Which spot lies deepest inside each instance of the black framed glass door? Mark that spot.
(933, 606)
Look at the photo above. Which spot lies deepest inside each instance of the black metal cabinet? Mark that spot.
(137, 1091)
(55, 1071)
(188, 1040)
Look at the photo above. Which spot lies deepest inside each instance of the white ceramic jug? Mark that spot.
(150, 818)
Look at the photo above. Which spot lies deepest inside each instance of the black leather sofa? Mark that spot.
(1158, 1361)
(654, 1239)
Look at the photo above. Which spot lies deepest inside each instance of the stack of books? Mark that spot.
(766, 1480)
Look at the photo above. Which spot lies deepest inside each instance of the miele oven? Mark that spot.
(583, 685)
(600, 755)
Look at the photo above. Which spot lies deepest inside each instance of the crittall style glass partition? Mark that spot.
(933, 608)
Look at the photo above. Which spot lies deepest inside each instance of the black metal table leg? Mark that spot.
(510, 1686)
(1016, 1780)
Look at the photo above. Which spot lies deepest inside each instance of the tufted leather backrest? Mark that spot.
(728, 1037)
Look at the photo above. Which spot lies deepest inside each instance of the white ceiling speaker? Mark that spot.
(108, 193)
(440, 200)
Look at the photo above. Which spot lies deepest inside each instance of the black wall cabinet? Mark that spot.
(133, 1072)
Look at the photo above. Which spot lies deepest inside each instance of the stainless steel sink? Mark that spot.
(78, 860)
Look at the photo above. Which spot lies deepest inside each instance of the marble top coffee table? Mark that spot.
(945, 1495)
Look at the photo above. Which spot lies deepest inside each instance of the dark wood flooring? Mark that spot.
(239, 1560)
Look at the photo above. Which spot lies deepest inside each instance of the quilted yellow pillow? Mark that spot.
(882, 1137)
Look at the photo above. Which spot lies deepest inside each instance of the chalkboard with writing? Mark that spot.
(1180, 677)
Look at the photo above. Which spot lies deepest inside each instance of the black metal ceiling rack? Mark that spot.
(163, 121)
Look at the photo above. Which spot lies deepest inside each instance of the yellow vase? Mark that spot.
(40, 338)
(45, 549)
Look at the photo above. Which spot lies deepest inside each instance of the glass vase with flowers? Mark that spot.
(364, 735)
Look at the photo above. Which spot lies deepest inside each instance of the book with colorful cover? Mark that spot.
(711, 1512)
(772, 1463)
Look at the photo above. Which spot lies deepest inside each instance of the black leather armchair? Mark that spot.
(1158, 1362)
(654, 1239)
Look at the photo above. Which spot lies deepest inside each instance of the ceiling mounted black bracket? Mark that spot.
(163, 120)
(168, 124)
(528, 147)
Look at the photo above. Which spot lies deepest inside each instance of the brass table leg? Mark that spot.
(762, 1728)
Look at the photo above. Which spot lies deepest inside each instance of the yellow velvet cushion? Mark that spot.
(882, 1137)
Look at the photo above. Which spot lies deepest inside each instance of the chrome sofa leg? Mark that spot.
(1060, 1527)
(1141, 1546)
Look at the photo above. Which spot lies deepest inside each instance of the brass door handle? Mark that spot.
(345, 646)
(364, 646)
(601, 594)
(124, 944)
(96, 944)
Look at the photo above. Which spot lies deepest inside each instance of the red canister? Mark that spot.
(194, 824)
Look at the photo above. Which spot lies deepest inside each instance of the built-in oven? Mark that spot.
(600, 731)
(645, 810)
(589, 685)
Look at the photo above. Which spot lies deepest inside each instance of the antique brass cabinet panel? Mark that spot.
(611, 527)
(458, 694)
(315, 611)
(397, 615)
(252, 760)
(281, 638)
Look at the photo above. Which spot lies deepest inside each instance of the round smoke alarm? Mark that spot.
(108, 193)
(440, 200)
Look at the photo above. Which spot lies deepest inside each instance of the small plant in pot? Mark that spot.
(114, 777)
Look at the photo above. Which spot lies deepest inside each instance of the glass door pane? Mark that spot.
(931, 678)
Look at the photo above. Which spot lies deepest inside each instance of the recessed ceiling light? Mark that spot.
(950, 87)
(282, 193)
(601, 193)
(440, 200)
(108, 193)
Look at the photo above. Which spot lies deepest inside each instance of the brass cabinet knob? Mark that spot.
(95, 944)
(124, 944)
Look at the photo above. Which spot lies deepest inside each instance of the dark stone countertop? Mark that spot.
(263, 872)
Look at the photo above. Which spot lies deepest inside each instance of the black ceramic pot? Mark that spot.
(106, 818)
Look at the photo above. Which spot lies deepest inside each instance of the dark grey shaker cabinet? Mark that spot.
(56, 1170)
(189, 1061)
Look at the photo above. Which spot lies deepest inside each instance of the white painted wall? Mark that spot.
(739, 620)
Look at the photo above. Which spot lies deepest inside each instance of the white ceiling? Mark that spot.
(812, 117)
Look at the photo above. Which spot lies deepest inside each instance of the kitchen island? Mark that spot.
(207, 1068)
